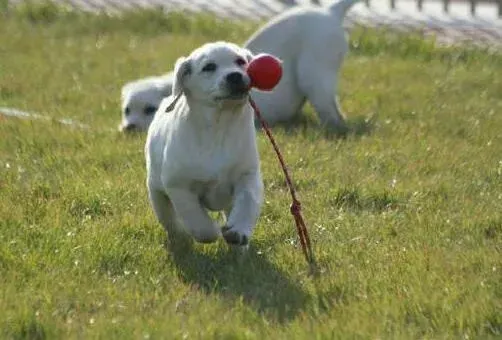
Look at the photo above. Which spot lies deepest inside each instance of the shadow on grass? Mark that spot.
(354, 200)
(305, 124)
(249, 276)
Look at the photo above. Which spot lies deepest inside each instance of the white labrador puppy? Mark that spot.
(312, 44)
(141, 99)
(201, 155)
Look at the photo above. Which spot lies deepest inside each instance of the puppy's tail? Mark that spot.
(340, 8)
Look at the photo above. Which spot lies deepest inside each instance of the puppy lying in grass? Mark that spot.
(311, 42)
(201, 154)
(141, 99)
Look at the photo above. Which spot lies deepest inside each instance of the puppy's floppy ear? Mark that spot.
(182, 69)
(166, 86)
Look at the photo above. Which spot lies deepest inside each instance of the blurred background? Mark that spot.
(478, 22)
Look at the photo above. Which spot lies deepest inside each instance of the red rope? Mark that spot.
(295, 205)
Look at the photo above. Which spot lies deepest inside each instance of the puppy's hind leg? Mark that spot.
(319, 85)
(164, 210)
(194, 216)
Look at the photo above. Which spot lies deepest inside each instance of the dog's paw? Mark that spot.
(234, 237)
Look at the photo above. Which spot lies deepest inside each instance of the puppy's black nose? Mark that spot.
(235, 78)
(236, 84)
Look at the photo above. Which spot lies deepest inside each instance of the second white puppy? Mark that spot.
(312, 45)
(141, 99)
(202, 154)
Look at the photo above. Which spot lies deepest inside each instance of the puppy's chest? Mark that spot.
(214, 195)
(217, 168)
(218, 154)
(211, 161)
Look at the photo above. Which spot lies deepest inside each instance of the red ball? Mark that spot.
(265, 71)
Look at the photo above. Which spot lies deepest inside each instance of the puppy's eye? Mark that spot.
(150, 110)
(240, 62)
(127, 111)
(210, 67)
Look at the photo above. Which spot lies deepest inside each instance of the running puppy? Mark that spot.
(202, 154)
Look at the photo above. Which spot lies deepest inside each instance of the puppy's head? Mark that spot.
(140, 101)
(213, 74)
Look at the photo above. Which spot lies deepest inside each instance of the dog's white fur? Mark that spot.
(202, 155)
(312, 44)
(141, 99)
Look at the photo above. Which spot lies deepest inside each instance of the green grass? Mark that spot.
(405, 213)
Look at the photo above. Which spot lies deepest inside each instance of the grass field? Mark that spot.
(404, 213)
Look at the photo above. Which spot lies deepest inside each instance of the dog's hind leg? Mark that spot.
(164, 210)
(194, 216)
(319, 85)
(178, 239)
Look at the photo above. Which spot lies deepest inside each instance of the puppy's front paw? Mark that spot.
(234, 236)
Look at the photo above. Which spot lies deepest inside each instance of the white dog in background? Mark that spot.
(201, 154)
(312, 44)
(141, 99)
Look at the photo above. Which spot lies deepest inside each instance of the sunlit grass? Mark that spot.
(404, 213)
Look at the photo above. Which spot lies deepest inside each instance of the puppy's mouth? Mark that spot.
(233, 96)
